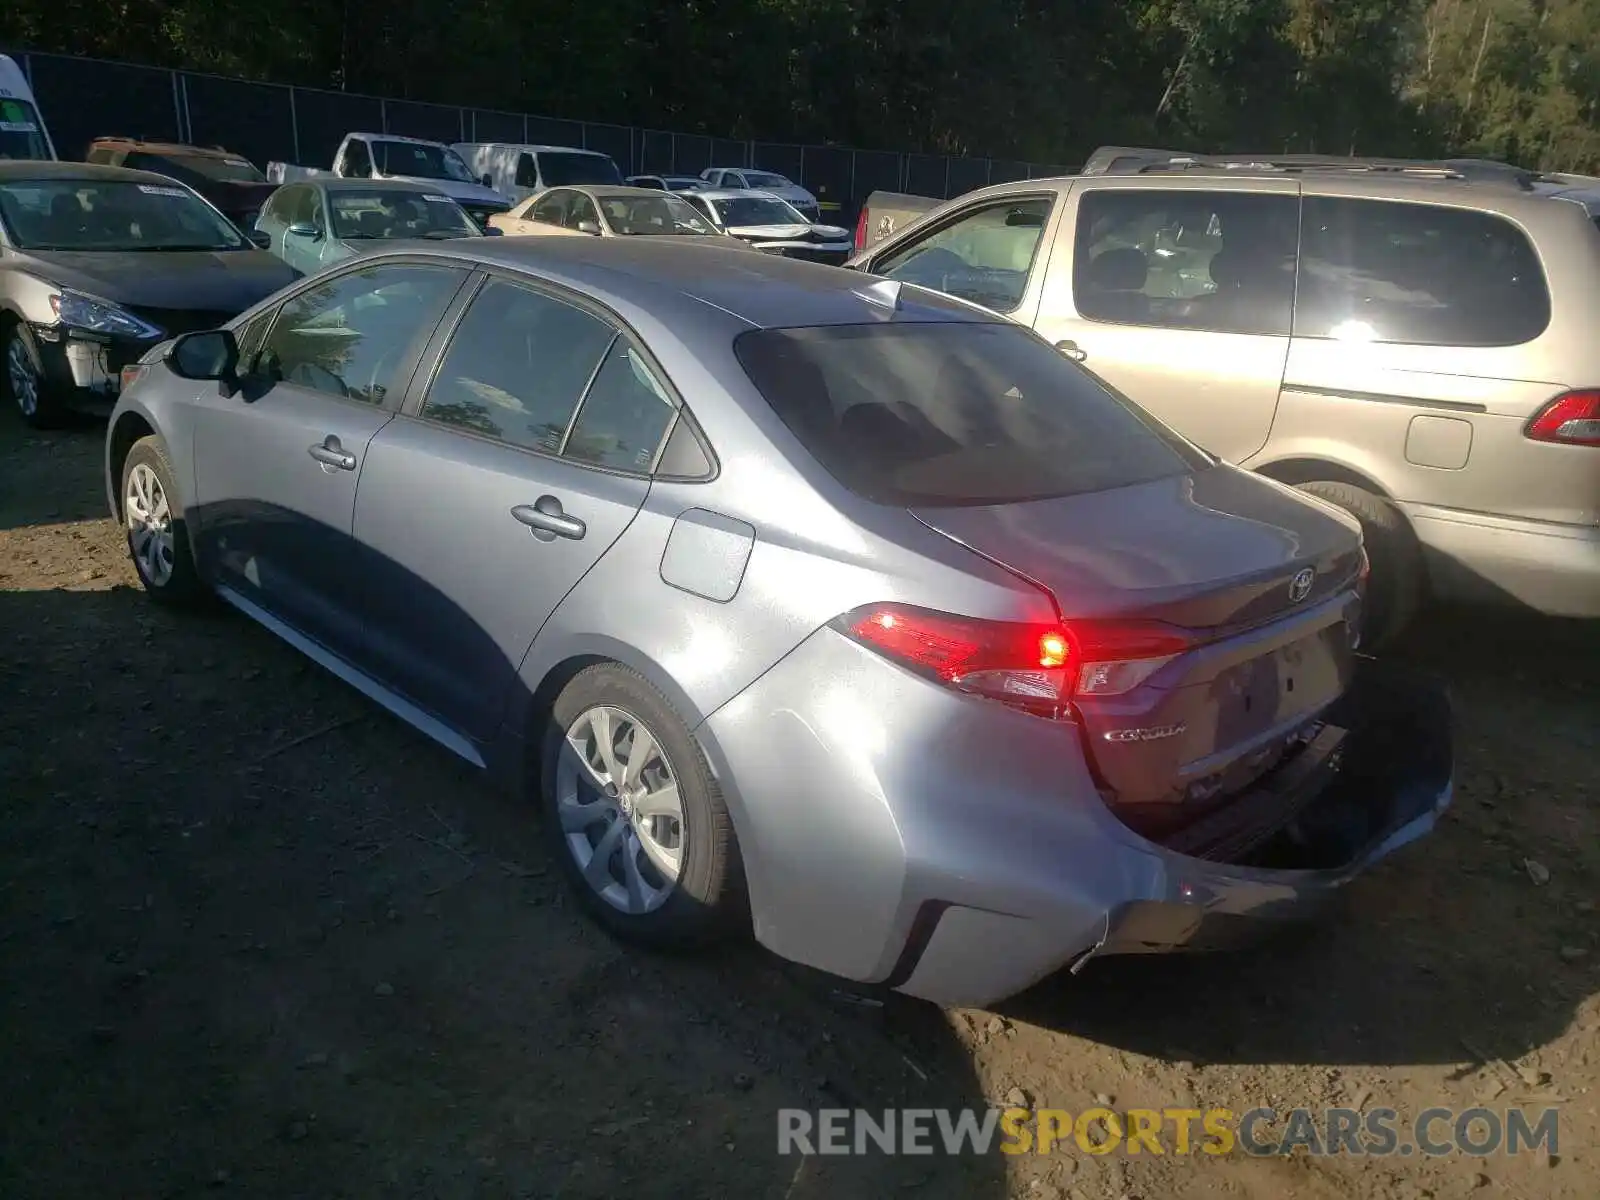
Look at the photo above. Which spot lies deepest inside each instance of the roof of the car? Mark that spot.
(393, 137)
(657, 275)
(601, 191)
(536, 148)
(337, 183)
(736, 194)
(165, 147)
(16, 170)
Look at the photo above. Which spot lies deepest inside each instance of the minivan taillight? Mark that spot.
(1037, 667)
(1571, 419)
(861, 231)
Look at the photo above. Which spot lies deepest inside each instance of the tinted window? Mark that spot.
(351, 336)
(394, 214)
(1372, 270)
(421, 160)
(984, 255)
(624, 416)
(527, 172)
(1186, 259)
(357, 159)
(21, 134)
(570, 168)
(516, 367)
(946, 413)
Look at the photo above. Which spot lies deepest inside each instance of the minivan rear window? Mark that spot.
(1424, 274)
(952, 413)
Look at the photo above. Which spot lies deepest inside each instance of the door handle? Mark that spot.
(330, 453)
(1072, 350)
(549, 521)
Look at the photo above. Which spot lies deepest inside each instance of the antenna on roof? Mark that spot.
(883, 292)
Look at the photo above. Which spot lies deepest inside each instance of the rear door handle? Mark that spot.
(330, 453)
(1072, 350)
(549, 521)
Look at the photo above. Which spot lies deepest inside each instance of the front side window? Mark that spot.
(351, 336)
(984, 255)
(378, 215)
(582, 211)
(100, 214)
(652, 215)
(517, 365)
(566, 168)
(1383, 271)
(527, 171)
(625, 414)
(1182, 259)
(21, 131)
(420, 160)
(955, 413)
(357, 159)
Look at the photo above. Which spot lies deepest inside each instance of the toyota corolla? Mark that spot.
(797, 599)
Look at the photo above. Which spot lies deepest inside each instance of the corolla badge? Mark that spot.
(1153, 733)
(1300, 585)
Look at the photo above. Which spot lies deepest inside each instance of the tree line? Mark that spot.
(1038, 80)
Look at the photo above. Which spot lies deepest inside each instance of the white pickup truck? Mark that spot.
(389, 156)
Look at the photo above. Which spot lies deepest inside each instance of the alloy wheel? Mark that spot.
(149, 525)
(620, 812)
(22, 375)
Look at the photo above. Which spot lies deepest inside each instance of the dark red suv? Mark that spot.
(228, 180)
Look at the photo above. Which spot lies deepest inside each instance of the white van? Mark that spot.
(22, 131)
(519, 171)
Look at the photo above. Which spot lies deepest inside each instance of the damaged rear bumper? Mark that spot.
(898, 834)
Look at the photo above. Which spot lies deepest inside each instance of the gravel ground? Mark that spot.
(257, 936)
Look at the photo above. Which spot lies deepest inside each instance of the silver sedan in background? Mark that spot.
(797, 598)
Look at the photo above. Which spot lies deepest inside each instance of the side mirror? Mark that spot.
(590, 227)
(260, 239)
(493, 231)
(486, 179)
(209, 354)
(304, 229)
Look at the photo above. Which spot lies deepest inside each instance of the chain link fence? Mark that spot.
(84, 98)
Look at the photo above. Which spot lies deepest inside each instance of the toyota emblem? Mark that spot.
(1300, 585)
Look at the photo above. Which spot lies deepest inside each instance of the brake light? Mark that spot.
(1571, 419)
(1036, 667)
(861, 231)
(131, 375)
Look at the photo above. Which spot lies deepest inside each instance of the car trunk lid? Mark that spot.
(1262, 585)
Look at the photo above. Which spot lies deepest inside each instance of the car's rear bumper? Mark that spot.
(898, 833)
(1550, 568)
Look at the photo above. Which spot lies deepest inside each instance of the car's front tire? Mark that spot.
(152, 517)
(635, 816)
(23, 379)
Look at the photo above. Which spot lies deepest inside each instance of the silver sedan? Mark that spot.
(798, 599)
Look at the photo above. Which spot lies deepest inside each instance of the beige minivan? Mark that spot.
(1416, 343)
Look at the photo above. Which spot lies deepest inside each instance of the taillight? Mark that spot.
(1037, 667)
(131, 374)
(1571, 419)
(861, 230)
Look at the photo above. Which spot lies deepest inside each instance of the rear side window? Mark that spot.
(1220, 261)
(1381, 271)
(946, 413)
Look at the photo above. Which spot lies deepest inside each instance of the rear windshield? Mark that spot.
(942, 414)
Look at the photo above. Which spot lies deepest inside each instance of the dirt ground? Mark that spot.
(258, 937)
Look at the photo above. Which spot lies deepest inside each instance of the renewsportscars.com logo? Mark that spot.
(1260, 1132)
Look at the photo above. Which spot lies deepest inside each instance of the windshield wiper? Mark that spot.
(448, 233)
(171, 249)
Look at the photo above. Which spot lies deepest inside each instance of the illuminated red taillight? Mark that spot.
(1033, 666)
(131, 374)
(1571, 419)
(861, 230)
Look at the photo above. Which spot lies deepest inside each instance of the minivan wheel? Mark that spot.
(634, 815)
(1395, 589)
(152, 516)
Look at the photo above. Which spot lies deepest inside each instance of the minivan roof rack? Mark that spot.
(1128, 160)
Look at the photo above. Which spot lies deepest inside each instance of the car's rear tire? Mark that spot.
(615, 757)
(152, 518)
(22, 377)
(1398, 581)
